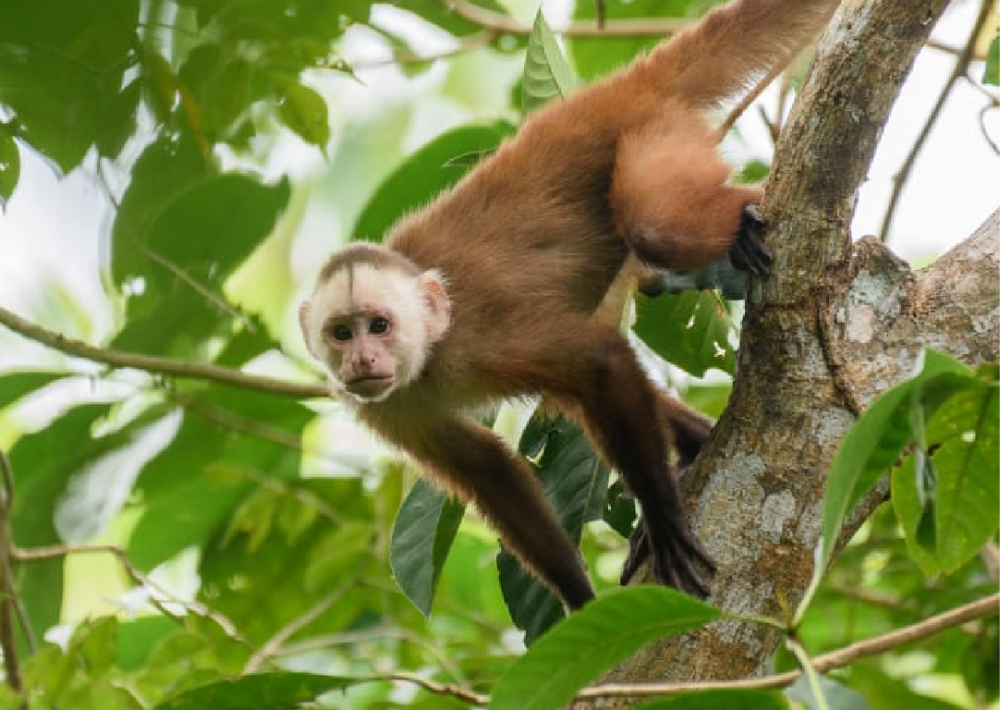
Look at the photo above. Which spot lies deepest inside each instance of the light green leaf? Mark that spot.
(592, 640)
(425, 527)
(872, 446)
(547, 74)
(991, 72)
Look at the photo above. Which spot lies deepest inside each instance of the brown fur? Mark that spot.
(532, 242)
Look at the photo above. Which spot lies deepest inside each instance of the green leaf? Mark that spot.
(592, 640)
(692, 330)
(575, 481)
(10, 167)
(184, 238)
(425, 527)
(63, 66)
(14, 385)
(267, 691)
(304, 111)
(423, 176)
(949, 528)
(991, 72)
(226, 95)
(871, 447)
(720, 700)
(547, 75)
(137, 639)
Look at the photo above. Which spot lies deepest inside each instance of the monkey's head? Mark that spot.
(373, 320)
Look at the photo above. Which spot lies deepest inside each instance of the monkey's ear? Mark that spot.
(304, 323)
(438, 304)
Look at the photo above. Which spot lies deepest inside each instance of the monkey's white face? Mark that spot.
(373, 328)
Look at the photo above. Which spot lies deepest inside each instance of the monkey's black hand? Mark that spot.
(749, 253)
(673, 561)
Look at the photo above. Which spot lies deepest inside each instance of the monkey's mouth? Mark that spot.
(369, 386)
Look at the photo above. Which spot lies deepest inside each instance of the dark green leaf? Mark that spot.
(304, 111)
(422, 535)
(619, 511)
(267, 691)
(423, 176)
(10, 167)
(63, 66)
(591, 641)
(547, 75)
(720, 700)
(137, 640)
(691, 330)
(226, 96)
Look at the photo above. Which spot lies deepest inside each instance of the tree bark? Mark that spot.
(834, 325)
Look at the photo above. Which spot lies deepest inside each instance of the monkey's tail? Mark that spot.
(720, 56)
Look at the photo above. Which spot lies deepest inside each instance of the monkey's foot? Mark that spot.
(749, 252)
(673, 563)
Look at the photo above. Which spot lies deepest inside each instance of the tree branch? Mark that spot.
(160, 365)
(756, 490)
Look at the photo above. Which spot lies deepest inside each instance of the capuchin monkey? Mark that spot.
(493, 290)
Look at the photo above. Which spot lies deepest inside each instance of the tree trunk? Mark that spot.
(834, 325)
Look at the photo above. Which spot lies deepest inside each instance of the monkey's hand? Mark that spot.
(673, 562)
(749, 252)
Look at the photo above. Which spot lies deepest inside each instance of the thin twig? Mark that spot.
(6, 545)
(273, 645)
(959, 70)
(455, 691)
(139, 577)
(473, 41)
(12, 669)
(160, 365)
(617, 28)
(987, 606)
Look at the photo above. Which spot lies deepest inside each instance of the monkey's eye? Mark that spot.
(379, 326)
(341, 332)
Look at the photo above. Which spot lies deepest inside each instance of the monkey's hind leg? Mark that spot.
(606, 387)
(672, 204)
